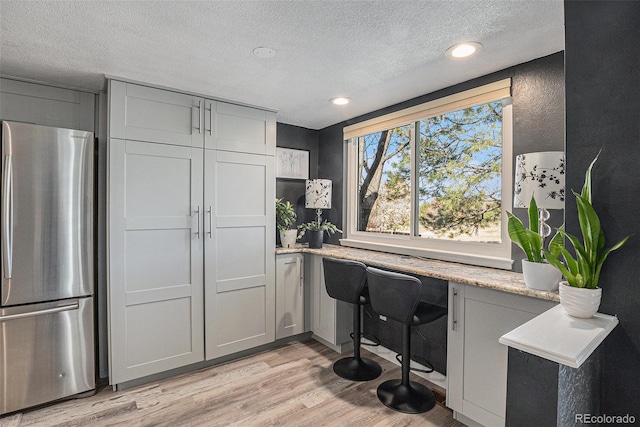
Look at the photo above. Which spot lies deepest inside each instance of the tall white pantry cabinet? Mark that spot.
(191, 229)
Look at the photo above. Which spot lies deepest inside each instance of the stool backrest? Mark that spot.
(394, 295)
(344, 279)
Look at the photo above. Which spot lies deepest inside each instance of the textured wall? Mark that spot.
(538, 112)
(603, 113)
(292, 190)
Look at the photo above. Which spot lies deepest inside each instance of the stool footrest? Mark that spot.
(421, 360)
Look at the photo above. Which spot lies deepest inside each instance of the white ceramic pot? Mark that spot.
(540, 275)
(579, 302)
(288, 238)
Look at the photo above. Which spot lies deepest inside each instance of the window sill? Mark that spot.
(462, 258)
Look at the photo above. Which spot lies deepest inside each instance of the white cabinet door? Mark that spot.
(331, 320)
(241, 129)
(239, 245)
(154, 115)
(155, 258)
(289, 295)
(476, 361)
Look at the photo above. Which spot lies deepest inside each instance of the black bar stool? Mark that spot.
(397, 296)
(346, 281)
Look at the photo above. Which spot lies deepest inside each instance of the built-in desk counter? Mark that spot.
(501, 280)
(483, 305)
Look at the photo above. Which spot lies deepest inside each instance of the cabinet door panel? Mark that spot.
(150, 325)
(476, 361)
(239, 272)
(241, 129)
(147, 114)
(244, 312)
(155, 258)
(289, 295)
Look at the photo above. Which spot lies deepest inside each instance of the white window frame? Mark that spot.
(496, 255)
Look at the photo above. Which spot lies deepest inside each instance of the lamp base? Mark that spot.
(316, 238)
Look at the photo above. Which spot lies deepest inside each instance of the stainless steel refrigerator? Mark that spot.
(47, 226)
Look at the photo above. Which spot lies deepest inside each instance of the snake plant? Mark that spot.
(583, 270)
(528, 239)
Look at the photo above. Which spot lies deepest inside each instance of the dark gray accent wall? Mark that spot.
(603, 113)
(292, 190)
(538, 112)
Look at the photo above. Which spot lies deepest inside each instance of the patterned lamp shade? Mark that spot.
(540, 175)
(318, 194)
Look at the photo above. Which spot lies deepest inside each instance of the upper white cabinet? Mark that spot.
(289, 295)
(143, 113)
(46, 105)
(239, 245)
(476, 361)
(232, 127)
(155, 258)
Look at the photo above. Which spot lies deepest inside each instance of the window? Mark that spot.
(433, 180)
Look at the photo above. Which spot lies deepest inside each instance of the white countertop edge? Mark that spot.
(526, 336)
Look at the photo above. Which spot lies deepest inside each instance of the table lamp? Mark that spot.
(540, 175)
(318, 196)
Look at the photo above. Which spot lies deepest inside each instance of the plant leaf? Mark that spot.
(586, 188)
(533, 215)
(518, 234)
(555, 261)
(556, 243)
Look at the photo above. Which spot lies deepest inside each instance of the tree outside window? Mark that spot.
(459, 166)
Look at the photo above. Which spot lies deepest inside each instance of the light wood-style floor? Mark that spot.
(293, 385)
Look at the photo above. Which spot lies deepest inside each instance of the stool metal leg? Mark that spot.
(403, 395)
(357, 368)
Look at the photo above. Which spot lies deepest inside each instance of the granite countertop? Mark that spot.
(501, 280)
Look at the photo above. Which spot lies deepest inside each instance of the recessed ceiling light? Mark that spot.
(340, 100)
(264, 52)
(462, 50)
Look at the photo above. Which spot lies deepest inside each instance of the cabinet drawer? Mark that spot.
(65, 368)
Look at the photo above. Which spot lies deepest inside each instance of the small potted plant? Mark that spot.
(316, 231)
(579, 294)
(285, 218)
(538, 274)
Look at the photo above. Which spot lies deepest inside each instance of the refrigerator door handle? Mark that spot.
(68, 307)
(7, 224)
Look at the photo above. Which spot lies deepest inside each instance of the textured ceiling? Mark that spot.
(376, 52)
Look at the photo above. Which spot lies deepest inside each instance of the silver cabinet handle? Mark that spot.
(454, 319)
(197, 212)
(211, 119)
(69, 307)
(300, 275)
(210, 221)
(199, 107)
(7, 224)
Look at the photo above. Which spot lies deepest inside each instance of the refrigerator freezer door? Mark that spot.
(46, 352)
(47, 219)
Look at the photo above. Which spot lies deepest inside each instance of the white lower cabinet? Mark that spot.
(331, 320)
(289, 295)
(476, 361)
